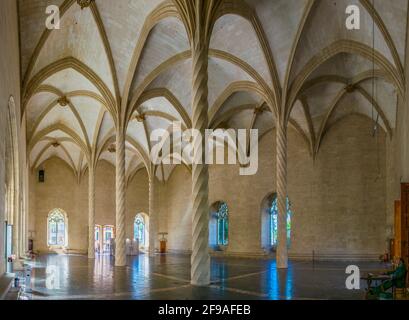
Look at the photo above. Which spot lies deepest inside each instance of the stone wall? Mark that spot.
(59, 191)
(178, 210)
(9, 86)
(137, 200)
(338, 199)
(62, 190)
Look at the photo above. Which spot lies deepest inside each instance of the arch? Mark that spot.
(49, 146)
(246, 86)
(242, 9)
(373, 12)
(340, 122)
(79, 67)
(300, 32)
(71, 106)
(169, 96)
(44, 36)
(138, 149)
(356, 80)
(272, 96)
(54, 105)
(219, 225)
(63, 128)
(141, 230)
(162, 11)
(57, 229)
(45, 88)
(269, 222)
(337, 101)
(293, 125)
(343, 46)
(258, 85)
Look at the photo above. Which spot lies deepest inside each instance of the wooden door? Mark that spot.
(404, 221)
(397, 231)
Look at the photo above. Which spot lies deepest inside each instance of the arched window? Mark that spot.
(139, 229)
(274, 222)
(57, 228)
(223, 225)
(219, 225)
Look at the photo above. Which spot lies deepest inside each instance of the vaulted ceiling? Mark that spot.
(134, 54)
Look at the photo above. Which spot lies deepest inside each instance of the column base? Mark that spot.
(282, 264)
(199, 284)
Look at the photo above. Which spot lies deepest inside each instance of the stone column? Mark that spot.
(22, 223)
(91, 212)
(153, 215)
(200, 259)
(101, 239)
(26, 206)
(15, 211)
(282, 255)
(120, 254)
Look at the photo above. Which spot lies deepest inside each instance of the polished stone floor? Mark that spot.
(167, 277)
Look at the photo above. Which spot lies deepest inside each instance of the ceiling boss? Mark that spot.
(84, 3)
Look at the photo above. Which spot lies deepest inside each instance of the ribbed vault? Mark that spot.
(129, 61)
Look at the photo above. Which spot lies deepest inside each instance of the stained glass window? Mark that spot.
(274, 222)
(56, 228)
(223, 225)
(139, 229)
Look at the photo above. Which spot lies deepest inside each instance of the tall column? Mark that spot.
(120, 254)
(16, 222)
(100, 239)
(26, 205)
(91, 212)
(22, 222)
(200, 259)
(153, 216)
(282, 255)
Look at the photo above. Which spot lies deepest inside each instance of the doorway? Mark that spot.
(108, 234)
(98, 239)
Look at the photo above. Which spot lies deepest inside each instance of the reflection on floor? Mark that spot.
(167, 277)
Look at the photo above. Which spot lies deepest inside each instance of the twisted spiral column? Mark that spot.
(282, 255)
(200, 259)
(120, 254)
(153, 218)
(91, 212)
